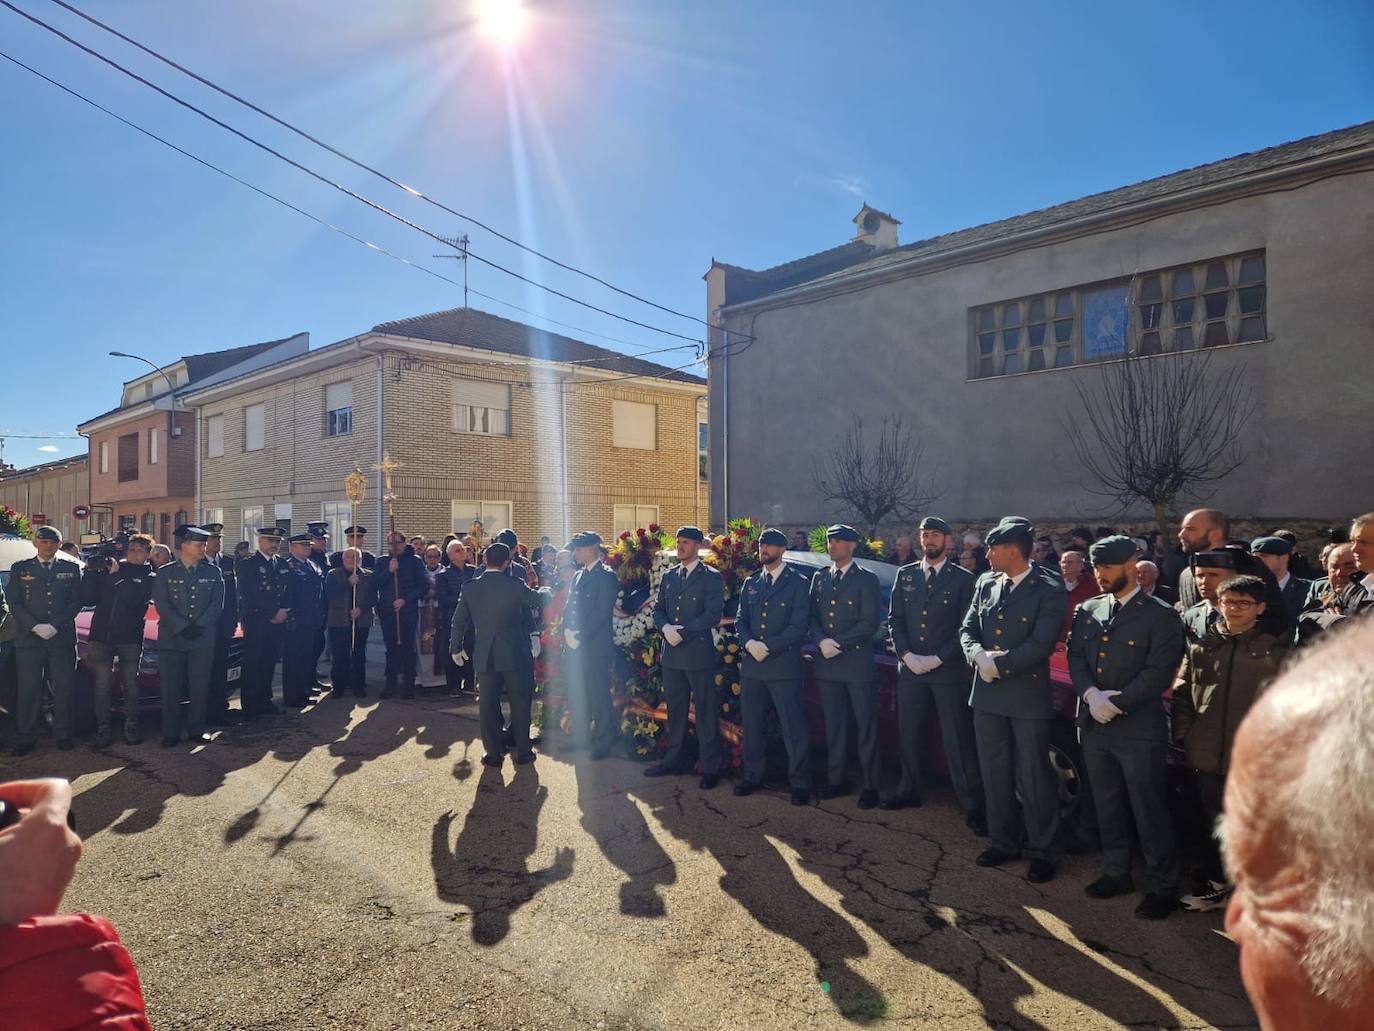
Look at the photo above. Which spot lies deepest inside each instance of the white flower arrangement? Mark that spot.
(636, 626)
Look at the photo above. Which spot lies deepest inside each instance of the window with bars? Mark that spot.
(1205, 304)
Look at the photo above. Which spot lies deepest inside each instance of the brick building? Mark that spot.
(143, 453)
(489, 420)
(52, 490)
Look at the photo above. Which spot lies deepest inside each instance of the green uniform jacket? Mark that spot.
(1026, 626)
(591, 608)
(1219, 680)
(849, 614)
(1137, 653)
(187, 598)
(779, 616)
(695, 603)
(40, 596)
(926, 622)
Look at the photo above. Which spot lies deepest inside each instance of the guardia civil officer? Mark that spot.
(495, 611)
(846, 603)
(355, 537)
(691, 599)
(1008, 635)
(1124, 649)
(217, 700)
(305, 603)
(398, 584)
(44, 595)
(772, 622)
(1276, 553)
(189, 595)
(591, 646)
(319, 558)
(262, 612)
(929, 600)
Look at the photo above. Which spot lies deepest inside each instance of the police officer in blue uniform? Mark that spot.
(846, 603)
(189, 595)
(590, 641)
(305, 602)
(263, 612)
(929, 600)
(319, 558)
(217, 700)
(772, 622)
(355, 537)
(44, 595)
(691, 600)
(1124, 649)
(1008, 635)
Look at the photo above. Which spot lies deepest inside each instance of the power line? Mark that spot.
(336, 185)
(418, 194)
(344, 232)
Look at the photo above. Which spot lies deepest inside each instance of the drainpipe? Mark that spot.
(563, 449)
(724, 428)
(381, 438)
(199, 513)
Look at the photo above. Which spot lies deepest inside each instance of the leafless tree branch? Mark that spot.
(877, 477)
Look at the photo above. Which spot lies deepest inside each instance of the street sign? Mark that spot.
(81, 512)
(38, 519)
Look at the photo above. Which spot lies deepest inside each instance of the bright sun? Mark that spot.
(501, 20)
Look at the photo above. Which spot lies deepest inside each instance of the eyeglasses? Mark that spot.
(1237, 603)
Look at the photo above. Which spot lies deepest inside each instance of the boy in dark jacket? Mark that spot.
(120, 592)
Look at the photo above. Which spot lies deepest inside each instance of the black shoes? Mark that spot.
(524, 759)
(388, 692)
(133, 736)
(709, 780)
(801, 796)
(1109, 887)
(103, 738)
(834, 791)
(410, 693)
(493, 761)
(65, 744)
(996, 857)
(868, 798)
(1156, 907)
(659, 770)
(901, 802)
(1041, 871)
(199, 739)
(745, 787)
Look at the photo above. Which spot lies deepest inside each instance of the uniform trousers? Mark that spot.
(1014, 755)
(837, 697)
(1128, 779)
(785, 696)
(680, 688)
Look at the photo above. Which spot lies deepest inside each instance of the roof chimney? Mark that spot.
(876, 228)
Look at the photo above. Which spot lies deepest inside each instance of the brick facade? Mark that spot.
(163, 490)
(54, 489)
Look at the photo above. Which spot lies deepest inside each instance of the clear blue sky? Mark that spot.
(637, 139)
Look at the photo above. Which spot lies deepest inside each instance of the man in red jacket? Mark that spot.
(67, 971)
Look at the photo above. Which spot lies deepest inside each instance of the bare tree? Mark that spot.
(885, 475)
(1161, 428)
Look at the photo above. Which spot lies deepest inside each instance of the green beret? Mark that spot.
(1009, 531)
(936, 523)
(1112, 551)
(774, 537)
(1215, 558)
(1271, 546)
(586, 539)
(47, 533)
(841, 532)
(692, 533)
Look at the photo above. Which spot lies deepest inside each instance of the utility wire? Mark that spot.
(420, 195)
(336, 185)
(314, 218)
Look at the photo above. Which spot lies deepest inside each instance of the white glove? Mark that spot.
(1100, 704)
(757, 649)
(830, 648)
(46, 631)
(535, 646)
(986, 662)
(571, 637)
(921, 664)
(459, 658)
(673, 634)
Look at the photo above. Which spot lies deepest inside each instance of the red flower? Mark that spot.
(653, 527)
(740, 532)
(625, 536)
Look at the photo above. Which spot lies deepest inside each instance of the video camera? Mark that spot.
(96, 547)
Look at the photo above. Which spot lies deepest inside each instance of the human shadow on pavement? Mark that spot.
(619, 829)
(486, 869)
(759, 879)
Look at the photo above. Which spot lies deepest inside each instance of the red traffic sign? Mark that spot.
(38, 519)
(81, 512)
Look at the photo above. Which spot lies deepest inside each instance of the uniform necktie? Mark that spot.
(1112, 610)
(930, 576)
(839, 575)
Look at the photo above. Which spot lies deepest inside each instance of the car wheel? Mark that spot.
(1070, 781)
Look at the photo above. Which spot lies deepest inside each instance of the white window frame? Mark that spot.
(248, 441)
(252, 522)
(152, 446)
(703, 450)
(214, 436)
(212, 515)
(339, 515)
(633, 517)
(338, 418)
(627, 425)
(479, 406)
(104, 457)
(495, 515)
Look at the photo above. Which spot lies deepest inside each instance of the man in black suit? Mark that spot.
(846, 602)
(495, 610)
(398, 584)
(691, 599)
(1124, 650)
(591, 645)
(929, 600)
(1008, 635)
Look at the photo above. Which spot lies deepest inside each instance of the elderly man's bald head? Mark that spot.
(1297, 831)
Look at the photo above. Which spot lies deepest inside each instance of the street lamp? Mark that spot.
(173, 429)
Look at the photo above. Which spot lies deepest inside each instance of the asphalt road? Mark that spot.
(355, 866)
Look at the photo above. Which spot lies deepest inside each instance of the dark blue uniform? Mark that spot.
(305, 599)
(694, 602)
(217, 700)
(590, 609)
(847, 610)
(775, 611)
(189, 601)
(262, 592)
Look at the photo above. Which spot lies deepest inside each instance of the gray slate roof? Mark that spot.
(470, 327)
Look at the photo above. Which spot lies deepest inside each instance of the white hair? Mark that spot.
(1325, 810)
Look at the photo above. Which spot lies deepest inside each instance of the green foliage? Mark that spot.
(14, 523)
